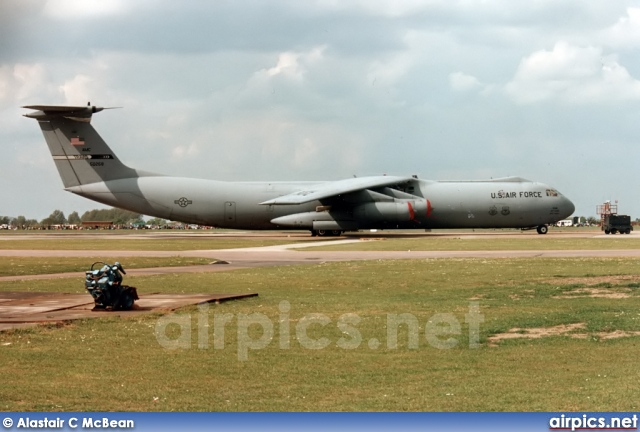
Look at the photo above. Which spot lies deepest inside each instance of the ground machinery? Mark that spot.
(105, 286)
(611, 222)
(617, 224)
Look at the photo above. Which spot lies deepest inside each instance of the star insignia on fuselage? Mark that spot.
(183, 202)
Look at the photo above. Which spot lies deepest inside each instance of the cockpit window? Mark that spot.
(552, 193)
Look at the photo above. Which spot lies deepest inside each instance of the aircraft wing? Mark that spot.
(336, 188)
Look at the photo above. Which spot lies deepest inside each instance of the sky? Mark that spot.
(323, 90)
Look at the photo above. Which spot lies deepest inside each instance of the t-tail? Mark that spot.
(80, 154)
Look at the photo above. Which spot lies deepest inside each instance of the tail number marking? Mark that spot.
(84, 157)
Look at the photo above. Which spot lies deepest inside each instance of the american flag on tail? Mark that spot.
(77, 141)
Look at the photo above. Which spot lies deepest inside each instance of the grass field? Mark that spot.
(113, 364)
(526, 242)
(19, 266)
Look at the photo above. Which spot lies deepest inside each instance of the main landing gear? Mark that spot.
(326, 233)
(542, 229)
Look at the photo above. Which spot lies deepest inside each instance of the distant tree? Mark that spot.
(19, 222)
(74, 218)
(55, 218)
(115, 215)
(90, 216)
(4, 220)
(157, 221)
(592, 220)
(31, 223)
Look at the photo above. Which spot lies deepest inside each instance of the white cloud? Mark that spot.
(287, 65)
(626, 32)
(6, 76)
(572, 74)
(391, 8)
(305, 153)
(296, 64)
(186, 151)
(28, 82)
(79, 9)
(389, 71)
(462, 82)
(78, 90)
(28, 78)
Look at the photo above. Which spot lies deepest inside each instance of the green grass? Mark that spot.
(19, 266)
(118, 364)
(528, 242)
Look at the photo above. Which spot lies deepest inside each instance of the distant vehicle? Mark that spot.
(565, 223)
(615, 223)
(89, 168)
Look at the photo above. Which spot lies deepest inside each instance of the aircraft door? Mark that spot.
(230, 212)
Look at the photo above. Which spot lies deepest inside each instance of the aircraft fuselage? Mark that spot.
(450, 204)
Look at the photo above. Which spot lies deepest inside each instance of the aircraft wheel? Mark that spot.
(542, 229)
(314, 233)
(336, 233)
(323, 233)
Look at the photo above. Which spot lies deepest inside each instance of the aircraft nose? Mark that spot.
(567, 207)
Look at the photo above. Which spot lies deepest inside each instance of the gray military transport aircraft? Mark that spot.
(89, 168)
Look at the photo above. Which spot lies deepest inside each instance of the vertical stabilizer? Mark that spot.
(80, 154)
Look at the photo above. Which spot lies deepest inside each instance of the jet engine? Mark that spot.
(392, 212)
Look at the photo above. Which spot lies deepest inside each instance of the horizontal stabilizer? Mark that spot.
(57, 108)
(78, 113)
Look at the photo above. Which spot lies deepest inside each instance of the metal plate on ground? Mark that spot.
(20, 309)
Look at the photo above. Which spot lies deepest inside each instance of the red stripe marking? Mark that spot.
(412, 214)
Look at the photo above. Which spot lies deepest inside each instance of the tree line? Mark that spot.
(57, 217)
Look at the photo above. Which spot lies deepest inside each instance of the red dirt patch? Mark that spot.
(613, 293)
(559, 330)
(594, 280)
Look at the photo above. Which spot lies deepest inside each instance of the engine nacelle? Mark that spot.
(396, 211)
(316, 221)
